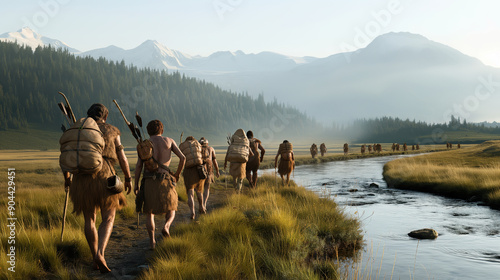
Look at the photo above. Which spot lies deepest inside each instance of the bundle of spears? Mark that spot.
(71, 119)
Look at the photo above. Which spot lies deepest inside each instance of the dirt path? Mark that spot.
(128, 250)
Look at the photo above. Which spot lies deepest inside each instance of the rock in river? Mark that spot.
(425, 233)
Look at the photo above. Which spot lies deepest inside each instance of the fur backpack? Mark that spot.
(191, 148)
(81, 148)
(239, 147)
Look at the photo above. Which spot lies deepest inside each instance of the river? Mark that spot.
(468, 246)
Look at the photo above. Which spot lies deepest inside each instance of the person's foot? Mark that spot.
(192, 216)
(165, 233)
(101, 264)
(203, 211)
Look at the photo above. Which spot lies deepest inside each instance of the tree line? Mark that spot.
(30, 80)
(389, 129)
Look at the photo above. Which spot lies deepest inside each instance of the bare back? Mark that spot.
(163, 148)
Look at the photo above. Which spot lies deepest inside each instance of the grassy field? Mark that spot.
(471, 173)
(290, 231)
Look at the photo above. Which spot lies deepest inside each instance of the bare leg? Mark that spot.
(104, 232)
(150, 226)
(287, 179)
(91, 233)
(249, 178)
(206, 193)
(239, 182)
(169, 218)
(190, 194)
(282, 180)
(254, 179)
(235, 183)
(199, 196)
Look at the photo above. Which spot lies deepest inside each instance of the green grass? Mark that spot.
(269, 233)
(469, 173)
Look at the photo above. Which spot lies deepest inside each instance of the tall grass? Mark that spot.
(472, 173)
(268, 233)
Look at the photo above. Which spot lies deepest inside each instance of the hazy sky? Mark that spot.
(299, 28)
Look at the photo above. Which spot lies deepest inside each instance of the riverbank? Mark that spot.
(471, 173)
(266, 232)
(304, 157)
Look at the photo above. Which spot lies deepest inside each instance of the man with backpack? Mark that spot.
(254, 161)
(237, 154)
(89, 190)
(158, 184)
(211, 165)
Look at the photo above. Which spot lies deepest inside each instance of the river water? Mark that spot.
(468, 246)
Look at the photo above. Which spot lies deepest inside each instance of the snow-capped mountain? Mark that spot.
(26, 36)
(149, 54)
(397, 74)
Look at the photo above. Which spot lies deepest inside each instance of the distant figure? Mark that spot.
(237, 154)
(322, 149)
(413, 147)
(451, 145)
(393, 147)
(447, 145)
(363, 148)
(287, 161)
(346, 149)
(405, 147)
(369, 149)
(314, 150)
(458, 145)
(417, 147)
(379, 148)
(397, 147)
(210, 160)
(254, 161)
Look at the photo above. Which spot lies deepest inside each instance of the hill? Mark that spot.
(30, 80)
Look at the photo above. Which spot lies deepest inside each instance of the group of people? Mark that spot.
(314, 150)
(89, 192)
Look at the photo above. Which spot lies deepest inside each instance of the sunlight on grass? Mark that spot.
(472, 173)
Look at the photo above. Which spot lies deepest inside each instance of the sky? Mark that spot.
(316, 28)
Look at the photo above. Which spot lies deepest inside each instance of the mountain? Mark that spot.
(397, 74)
(149, 54)
(28, 37)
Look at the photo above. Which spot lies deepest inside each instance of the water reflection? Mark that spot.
(467, 248)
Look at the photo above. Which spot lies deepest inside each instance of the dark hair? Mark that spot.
(98, 112)
(155, 127)
(285, 141)
(249, 134)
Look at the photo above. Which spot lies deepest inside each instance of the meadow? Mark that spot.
(268, 233)
(471, 173)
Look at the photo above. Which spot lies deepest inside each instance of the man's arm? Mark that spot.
(214, 162)
(276, 160)
(262, 152)
(122, 159)
(182, 159)
(138, 170)
(67, 180)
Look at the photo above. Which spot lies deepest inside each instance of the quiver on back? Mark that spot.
(145, 153)
(239, 148)
(81, 148)
(191, 148)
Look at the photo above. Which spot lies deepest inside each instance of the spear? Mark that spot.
(129, 124)
(68, 113)
(139, 122)
(68, 108)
